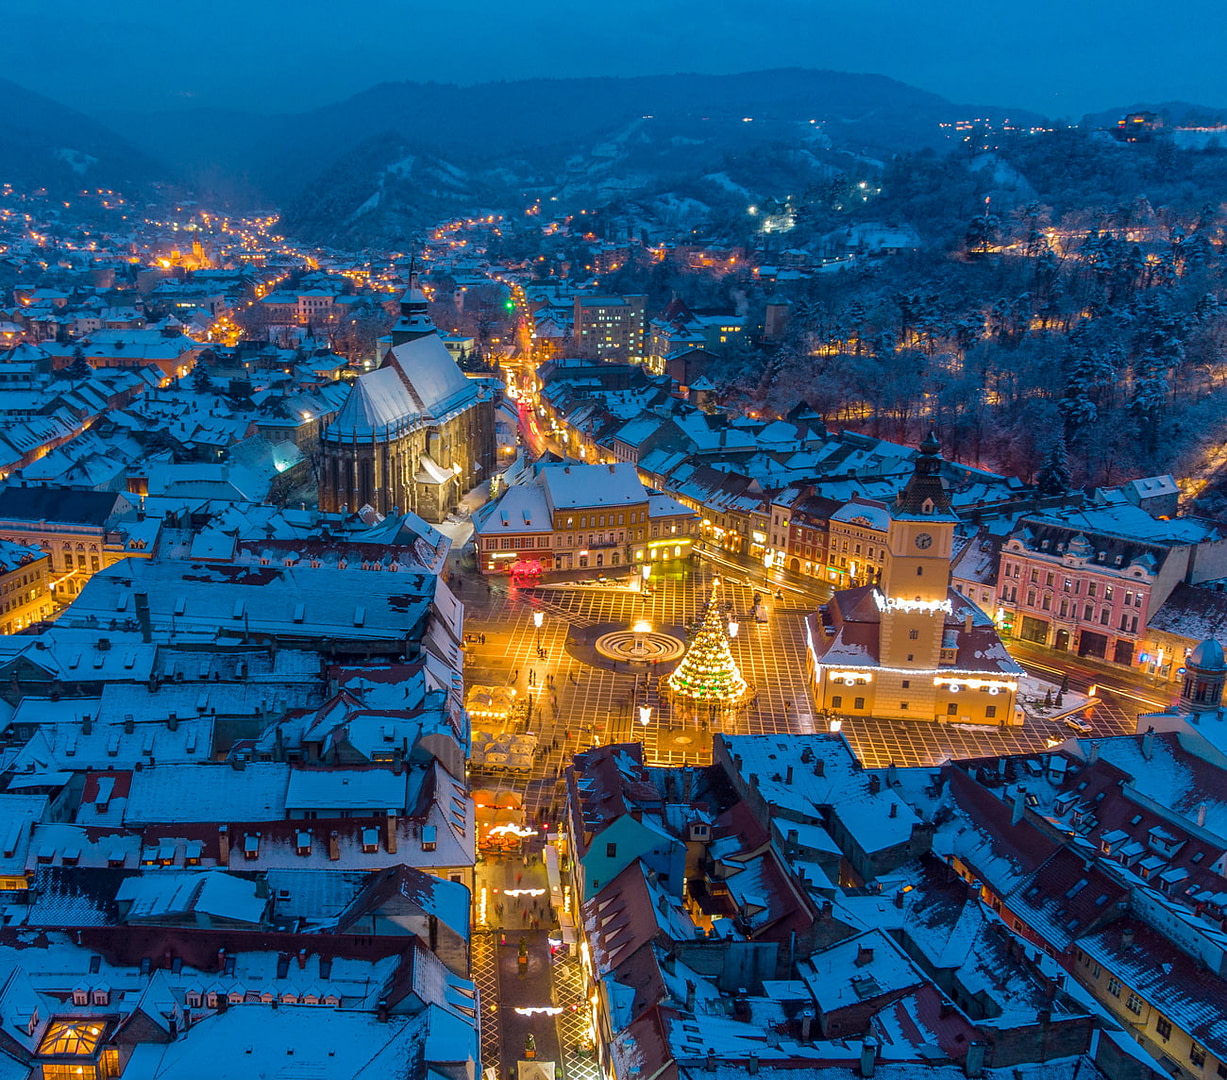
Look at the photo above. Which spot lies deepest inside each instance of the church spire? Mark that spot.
(925, 491)
(414, 321)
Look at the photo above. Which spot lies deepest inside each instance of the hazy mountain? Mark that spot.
(45, 144)
(386, 160)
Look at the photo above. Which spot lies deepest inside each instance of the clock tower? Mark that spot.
(914, 591)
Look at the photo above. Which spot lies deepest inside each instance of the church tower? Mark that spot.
(913, 595)
(414, 322)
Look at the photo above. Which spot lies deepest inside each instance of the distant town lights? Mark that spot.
(512, 829)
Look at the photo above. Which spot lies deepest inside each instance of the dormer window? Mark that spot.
(102, 997)
(193, 999)
(80, 997)
(927, 506)
(211, 999)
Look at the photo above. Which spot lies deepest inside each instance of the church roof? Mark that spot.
(419, 381)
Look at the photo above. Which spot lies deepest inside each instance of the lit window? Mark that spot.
(76, 1037)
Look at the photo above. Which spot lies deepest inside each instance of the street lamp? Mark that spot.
(733, 628)
(646, 571)
(645, 714)
(538, 619)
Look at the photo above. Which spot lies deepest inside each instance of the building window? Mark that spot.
(913, 635)
(906, 684)
(1164, 1028)
(611, 851)
(952, 709)
(990, 711)
(858, 703)
(837, 702)
(1090, 588)
(1197, 1055)
(903, 704)
(1134, 1004)
(1114, 986)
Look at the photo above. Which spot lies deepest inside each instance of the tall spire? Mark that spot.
(414, 321)
(925, 492)
(708, 674)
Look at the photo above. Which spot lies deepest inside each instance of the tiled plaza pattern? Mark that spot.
(485, 975)
(586, 704)
(573, 1020)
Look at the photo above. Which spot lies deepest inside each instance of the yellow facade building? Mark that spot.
(910, 647)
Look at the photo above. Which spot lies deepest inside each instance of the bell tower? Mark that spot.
(914, 592)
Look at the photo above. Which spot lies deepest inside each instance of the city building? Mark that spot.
(573, 517)
(1088, 580)
(415, 434)
(911, 647)
(25, 586)
(82, 532)
(610, 327)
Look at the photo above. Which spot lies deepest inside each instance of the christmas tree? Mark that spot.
(708, 673)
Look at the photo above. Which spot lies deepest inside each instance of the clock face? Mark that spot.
(923, 540)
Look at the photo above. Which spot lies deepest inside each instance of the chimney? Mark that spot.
(710, 1064)
(390, 842)
(820, 767)
(967, 623)
(221, 963)
(302, 959)
(381, 1013)
(334, 846)
(892, 778)
(142, 616)
(899, 898)
(828, 907)
(223, 845)
(1148, 743)
(864, 955)
(1126, 939)
(172, 721)
(129, 723)
(1020, 805)
(869, 1056)
(690, 995)
(973, 1064)
(1093, 755)
(752, 1064)
(1201, 814)
(807, 1025)
(894, 809)
(875, 784)
(87, 723)
(788, 775)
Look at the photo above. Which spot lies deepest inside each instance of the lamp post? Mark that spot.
(646, 571)
(538, 619)
(645, 714)
(733, 628)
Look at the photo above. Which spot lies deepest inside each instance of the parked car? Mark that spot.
(1080, 726)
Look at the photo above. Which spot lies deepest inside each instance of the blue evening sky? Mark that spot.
(1060, 57)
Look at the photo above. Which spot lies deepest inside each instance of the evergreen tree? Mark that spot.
(1054, 478)
(202, 381)
(708, 674)
(80, 368)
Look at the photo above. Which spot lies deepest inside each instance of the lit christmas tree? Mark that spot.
(708, 674)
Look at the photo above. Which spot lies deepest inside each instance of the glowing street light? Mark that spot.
(645, 714)
(733, 628)
(538, 619)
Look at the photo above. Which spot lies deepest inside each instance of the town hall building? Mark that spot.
(910, 647)
(413, 435)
